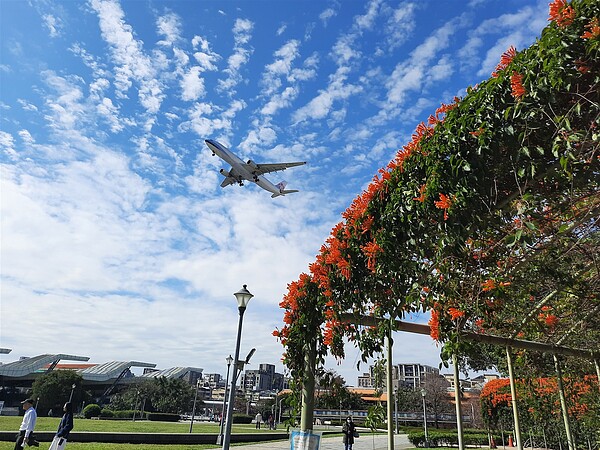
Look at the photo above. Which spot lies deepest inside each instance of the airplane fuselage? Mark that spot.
(240, 170)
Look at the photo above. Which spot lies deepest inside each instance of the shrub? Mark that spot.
(92, 410)
(107, 412)
(242, 418)
(449, 438)
(163, 417)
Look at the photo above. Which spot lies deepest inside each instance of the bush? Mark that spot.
(163, 417)
(449, 438)
(242, 418)
(92, 410)
(107, 413)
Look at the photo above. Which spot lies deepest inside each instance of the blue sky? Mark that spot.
(117, 241)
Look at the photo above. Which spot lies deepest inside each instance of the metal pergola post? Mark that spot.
(513, 392)
(390, 391)
(563, 403)
(459, 421)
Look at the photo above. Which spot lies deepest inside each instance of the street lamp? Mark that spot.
(194, 407)
(229, 360)
(396, 409)
(73, 386)
(423, 394)
(243, 297)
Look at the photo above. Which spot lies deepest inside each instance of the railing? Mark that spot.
(402, 416)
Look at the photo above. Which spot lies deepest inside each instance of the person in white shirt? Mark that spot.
(27, 426)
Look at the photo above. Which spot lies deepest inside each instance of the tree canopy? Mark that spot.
(488, 218)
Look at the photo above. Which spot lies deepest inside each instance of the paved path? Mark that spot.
(366, 441)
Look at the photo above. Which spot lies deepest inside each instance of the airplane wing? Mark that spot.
(261, 169)
(227, 181)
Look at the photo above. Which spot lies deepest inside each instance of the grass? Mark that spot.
(105, 446)
(10, 423)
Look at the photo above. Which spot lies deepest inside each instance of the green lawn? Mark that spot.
(51, 424)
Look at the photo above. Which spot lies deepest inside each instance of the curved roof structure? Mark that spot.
(34, 364)
(110, 370)
(173, 372)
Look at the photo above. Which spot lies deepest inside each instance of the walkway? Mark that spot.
(366, 441)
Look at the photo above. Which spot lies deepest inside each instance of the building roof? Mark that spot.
(110, 370)
(28, 366)
(173, 372)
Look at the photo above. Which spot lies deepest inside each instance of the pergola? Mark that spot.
(489, 219)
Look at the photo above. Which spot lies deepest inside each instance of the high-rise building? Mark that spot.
(410, 375)
(263, 379)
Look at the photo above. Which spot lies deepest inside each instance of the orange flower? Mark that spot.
(505, 60)
(477, 132)
(434, 325)
(516, 84)
(593, 29)
(444, 203)
(488, 285)
(371, 250)
(421, 198)
(551, 320)
(455, 313)
(561, 13)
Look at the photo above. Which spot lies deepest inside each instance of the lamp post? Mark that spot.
(396, 409)
(73, 386)
(423, 394)
(229, 360)
(194, 407)
(243, 297)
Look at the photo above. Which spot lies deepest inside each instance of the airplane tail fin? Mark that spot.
(282, 191)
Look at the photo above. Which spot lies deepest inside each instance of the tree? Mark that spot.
(437, 398)
(54, 389)
(333, 393)
(172, 395)
(135, 396)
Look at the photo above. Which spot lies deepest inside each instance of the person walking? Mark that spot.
(25, 435)
(348, 430)
(64, 428)
(258, 419)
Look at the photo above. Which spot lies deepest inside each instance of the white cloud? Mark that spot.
(320, 106)
(400, 25)
(242, 33)
(7, 142)
(192, 85)
(131, 63)
(53, 24)
(169, 26)
(26, 137)
(326, 15)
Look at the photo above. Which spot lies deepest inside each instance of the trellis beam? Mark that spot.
(475, 337)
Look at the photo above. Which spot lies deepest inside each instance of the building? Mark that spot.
(101, 380)
(263, 379)
(408, 375)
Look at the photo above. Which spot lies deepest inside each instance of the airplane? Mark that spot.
(250, 171)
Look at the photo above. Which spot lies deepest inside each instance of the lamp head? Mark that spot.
(243, 297)
(423, 393)
(229, 360)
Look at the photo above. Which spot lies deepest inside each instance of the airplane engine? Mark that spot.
(252, 164)
(225, 173)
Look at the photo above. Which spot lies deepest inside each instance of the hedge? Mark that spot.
(163, 417)
(450, 438)
(242, 418)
